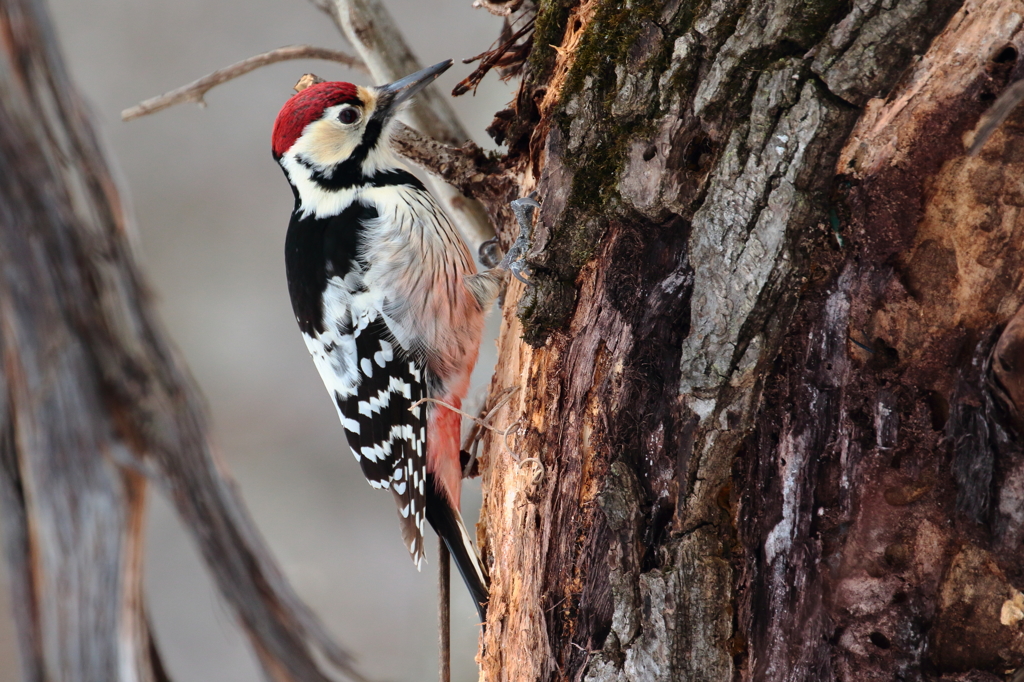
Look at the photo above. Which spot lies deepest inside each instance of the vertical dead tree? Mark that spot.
(94, 403)
(772, 359)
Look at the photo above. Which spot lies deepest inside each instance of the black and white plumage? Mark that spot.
(388, 301)
(372, 381)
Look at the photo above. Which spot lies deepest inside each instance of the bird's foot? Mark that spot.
(515, 260)
(470, 446)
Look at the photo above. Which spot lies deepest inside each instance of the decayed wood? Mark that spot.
(689, 386)
(888, 438)
(94, 400)
(996, 114)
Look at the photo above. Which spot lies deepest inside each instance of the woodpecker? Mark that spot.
(388, 301)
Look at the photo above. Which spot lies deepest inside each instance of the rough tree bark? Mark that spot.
(772, 370)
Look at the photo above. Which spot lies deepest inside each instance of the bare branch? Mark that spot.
(92, 398)
(368, 26)
(996, 114)
(444, 612)
(193, 92)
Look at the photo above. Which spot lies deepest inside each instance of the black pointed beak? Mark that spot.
(393, 95)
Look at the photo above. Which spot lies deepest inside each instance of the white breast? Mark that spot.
(418, 264)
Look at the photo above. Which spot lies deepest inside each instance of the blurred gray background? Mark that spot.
(211, 208)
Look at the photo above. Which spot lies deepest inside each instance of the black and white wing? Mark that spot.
(371, 379)
(389, 440)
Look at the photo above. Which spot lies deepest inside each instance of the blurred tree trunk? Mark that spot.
(772, 378)
(92, 402)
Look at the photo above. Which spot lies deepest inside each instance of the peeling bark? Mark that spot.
(895, 480)
(771, 370)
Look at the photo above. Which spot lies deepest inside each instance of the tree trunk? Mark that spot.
(768, 425)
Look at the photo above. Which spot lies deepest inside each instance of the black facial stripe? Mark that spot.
(349, 174)
(374, 127)
(394, 177)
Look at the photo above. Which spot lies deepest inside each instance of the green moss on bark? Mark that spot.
(605, 52)
(548, 29)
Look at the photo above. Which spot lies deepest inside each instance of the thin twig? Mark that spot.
(456, 165)
(996, 114)
(456, 410)
(505, 55)
(193, 92)
(502, 400)
(488, 413)
(505, 434)
(506, 31)
(474, 437)
(444, 611)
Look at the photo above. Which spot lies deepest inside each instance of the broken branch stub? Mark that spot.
(307, 80)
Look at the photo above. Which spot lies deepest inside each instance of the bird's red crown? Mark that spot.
(306, 107)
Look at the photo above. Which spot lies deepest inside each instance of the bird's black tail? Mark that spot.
(447, 523)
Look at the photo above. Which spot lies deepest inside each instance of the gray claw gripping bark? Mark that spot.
(515, 260)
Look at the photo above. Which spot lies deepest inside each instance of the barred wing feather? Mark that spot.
(374, 383)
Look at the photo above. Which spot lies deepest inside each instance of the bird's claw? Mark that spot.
(518, 267)
(530, 200)
(515, 260)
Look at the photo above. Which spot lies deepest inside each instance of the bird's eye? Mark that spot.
(348, 115)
